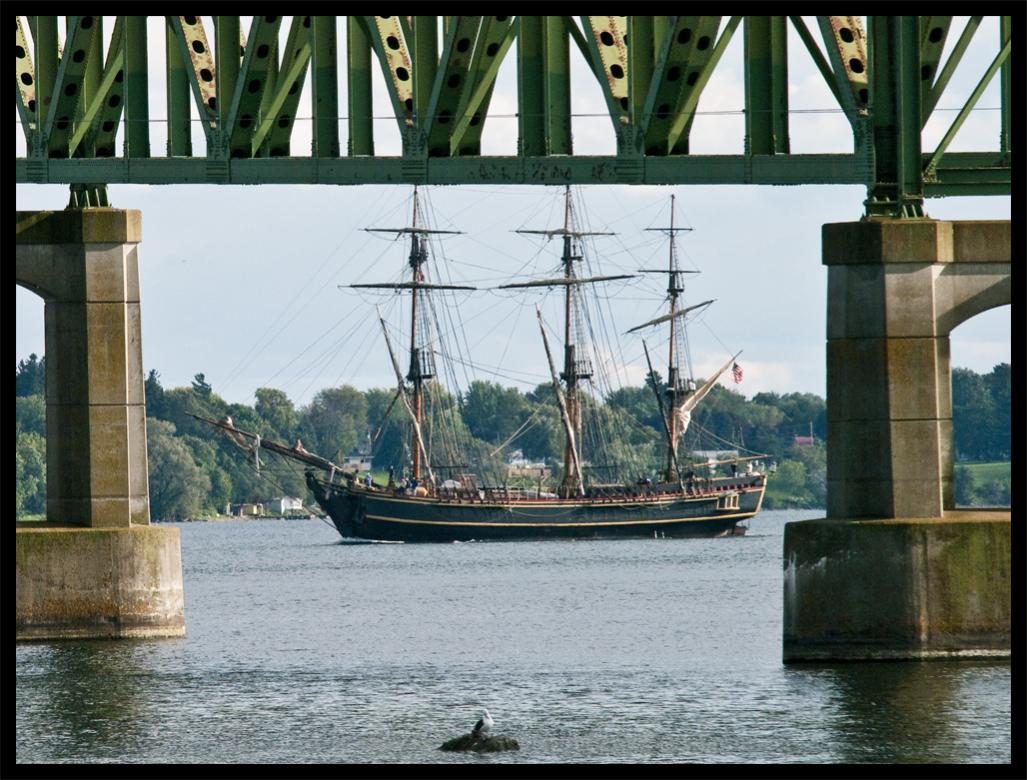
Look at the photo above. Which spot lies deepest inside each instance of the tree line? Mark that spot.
(196, 472)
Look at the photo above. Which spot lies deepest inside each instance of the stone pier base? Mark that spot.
(98, 583)
(914, 588)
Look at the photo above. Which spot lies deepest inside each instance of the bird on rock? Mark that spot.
(484, 724)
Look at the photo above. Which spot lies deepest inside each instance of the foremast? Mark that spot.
(422, 360)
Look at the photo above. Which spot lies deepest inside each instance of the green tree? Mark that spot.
(31, 414)
(1000, 386)
(206, 453)
(493, 412)
(814, 460)
(201, 387)
(275, 407)
(179, 488)
(156, 406)
(389, 448)
(973, 413)
(334, 421)
(30, 481)
(639, 403)
(448, 438)
(965, 487)
(791, 480)
(542, 439)
(995, 492)
(30, 378)
(180, 403)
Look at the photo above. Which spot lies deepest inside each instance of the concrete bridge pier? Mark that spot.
(96, 567)
(894, 571)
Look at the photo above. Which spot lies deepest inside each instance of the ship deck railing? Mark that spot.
(609, 493)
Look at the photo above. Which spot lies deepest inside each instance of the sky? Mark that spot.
(241, 283)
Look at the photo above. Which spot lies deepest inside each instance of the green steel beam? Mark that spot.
(88, 196)
(609, 56)
(244, 116)
(494, 41)
(953, 61)
(844, 41)
(970, 173)
(191, 42)
(766, 85)
(705, 59)
(137, 94)
(390, 45)
(558, 85)
(644, 69)
(896, 190)
(90, 85)
(583, 169)
(180, 139)
(276, 127)
(406, 26)
(47, 60)
(466, 139)
(425, 39)
(228, 51)
(68, 85)
(960, 173)
(1006, 97)
(933, 31)
(325, 88)
(99, 123)
(579, 40)
(268, 92)
(670, 36)
(358, 73)
(26, 92)
(816, 55)
(450, 84)
(641, 61)
(681, 71)
(1001, 58)
(531, 98)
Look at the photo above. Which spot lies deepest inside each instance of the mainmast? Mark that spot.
(675, 387)
(575, 368)
(422, 364)
(422, 360)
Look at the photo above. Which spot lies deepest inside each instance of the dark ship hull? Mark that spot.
(716, 508)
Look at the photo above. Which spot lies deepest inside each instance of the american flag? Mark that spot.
(736, 372)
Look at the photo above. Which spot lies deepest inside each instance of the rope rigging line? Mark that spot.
(260, 343)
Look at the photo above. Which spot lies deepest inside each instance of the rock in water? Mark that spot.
(481, 743)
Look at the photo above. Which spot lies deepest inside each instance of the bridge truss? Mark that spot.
(85, 112)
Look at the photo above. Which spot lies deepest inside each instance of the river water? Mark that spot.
(302, 649)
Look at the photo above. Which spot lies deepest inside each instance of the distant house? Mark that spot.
(357, 462)
(519, 466)
(284, 505)
(712, 456)
(806, 441)
(247, 510)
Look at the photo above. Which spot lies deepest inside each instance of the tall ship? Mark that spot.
(438, 501)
